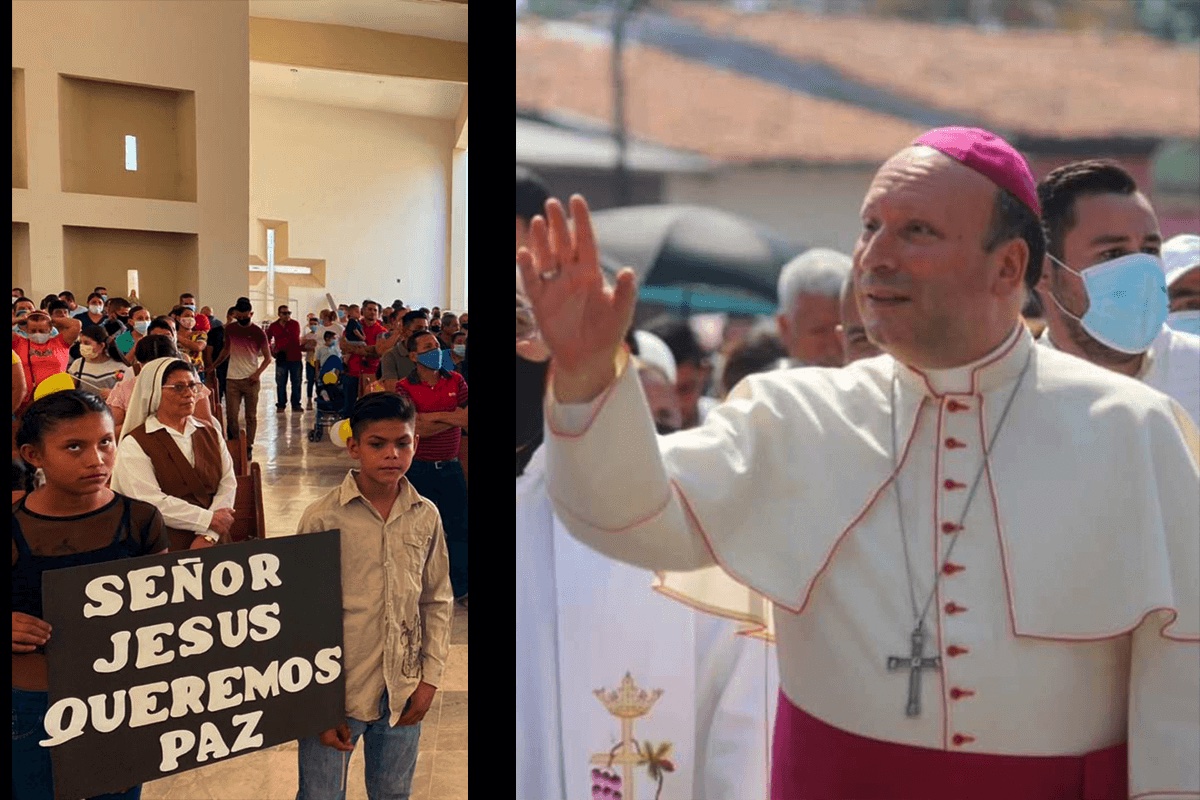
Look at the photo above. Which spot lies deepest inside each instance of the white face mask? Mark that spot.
(88, 350)
(187, 322)
(1185, 321)
(96, 309)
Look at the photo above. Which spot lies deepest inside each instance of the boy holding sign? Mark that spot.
(397, 605)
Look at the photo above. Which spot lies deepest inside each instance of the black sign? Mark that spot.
(166, 663)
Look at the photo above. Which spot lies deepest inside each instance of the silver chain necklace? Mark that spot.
(916, 661)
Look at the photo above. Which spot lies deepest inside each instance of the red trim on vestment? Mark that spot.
(803, 602)
(1012, 607)
(937, 587)
(600, 405)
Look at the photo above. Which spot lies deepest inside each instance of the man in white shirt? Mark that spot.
(953, 618)
(1102, 280)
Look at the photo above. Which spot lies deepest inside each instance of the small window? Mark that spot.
(131, 153)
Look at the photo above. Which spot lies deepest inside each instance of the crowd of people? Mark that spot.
(120, 450)
(777, 473)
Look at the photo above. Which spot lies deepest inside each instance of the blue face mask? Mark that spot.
(192, 307)
(432, 359)
(1185, 321)
(141, 326)
(1127, 301)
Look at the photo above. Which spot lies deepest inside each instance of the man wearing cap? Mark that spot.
(249, 354)
(1181, 260)
(1102, 285)
(953, 619)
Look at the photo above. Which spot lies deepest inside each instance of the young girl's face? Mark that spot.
(76, 455)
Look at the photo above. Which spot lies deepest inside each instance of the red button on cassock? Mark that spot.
(955, 444)
(958, 694)
(953, 484)
(961, 738)
(950, 568)
(954, 405)
(950, 527)
(954, 650)
(954, 608)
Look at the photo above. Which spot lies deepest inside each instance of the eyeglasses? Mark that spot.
(285, 313)
(181, 388)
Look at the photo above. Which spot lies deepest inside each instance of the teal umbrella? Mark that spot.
(704, 300)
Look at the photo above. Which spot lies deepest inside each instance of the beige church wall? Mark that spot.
(174, 74)
(20, 257)
(366, 192)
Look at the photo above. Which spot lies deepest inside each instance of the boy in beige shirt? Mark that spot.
(397, 609)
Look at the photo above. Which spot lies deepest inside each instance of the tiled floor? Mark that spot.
(296, 472)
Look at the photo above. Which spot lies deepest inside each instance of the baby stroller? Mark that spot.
(330, 398)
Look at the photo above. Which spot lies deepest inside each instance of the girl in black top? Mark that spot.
(72, 519)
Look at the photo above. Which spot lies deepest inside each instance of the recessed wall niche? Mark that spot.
(95, 117)
(168, 264)
(21, 269)
(20, 161)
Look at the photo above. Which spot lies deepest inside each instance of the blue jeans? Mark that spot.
(446, 488)
(32, 775)
(285, 370)
(391, 755)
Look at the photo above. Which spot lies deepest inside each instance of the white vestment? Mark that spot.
(1069, 620)
(583, 622)
(1172, 366)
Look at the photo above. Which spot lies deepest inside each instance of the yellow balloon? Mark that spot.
(329, 378)
(340, 432)
(59, 382)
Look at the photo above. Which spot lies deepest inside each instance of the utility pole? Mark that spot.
(624, 9)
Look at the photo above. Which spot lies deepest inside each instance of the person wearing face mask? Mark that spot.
(1103, 287)
(155, 345)
(93, 312)
(192, 342)
(139, 326)
(118, 310)
(21, 311)
(99, 366)
(1181, 260)
(249, 354)
(44, 347)
(436, 473)
(458, 354)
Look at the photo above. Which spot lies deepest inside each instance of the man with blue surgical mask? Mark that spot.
(440, 396)
(1103, 286)
(1181, 261)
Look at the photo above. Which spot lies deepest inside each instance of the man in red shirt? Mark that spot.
(284, 336)
(363, 361)
(440, 396)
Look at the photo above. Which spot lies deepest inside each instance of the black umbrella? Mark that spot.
(694, 258)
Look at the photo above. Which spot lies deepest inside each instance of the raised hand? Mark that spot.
(582, 321)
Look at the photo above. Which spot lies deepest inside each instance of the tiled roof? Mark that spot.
(1050, 84)
(691, 106)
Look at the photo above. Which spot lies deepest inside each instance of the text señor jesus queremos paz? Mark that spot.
(217, 623)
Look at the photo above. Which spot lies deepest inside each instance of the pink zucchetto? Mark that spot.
(990, 156)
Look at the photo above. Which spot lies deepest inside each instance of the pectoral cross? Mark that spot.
(914, 664)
